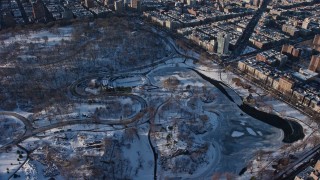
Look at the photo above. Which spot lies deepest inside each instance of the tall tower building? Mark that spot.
(315, 64)
(256, 3)
(316, 42)
(125, 3)
(305, 23)
(89, 3)
(108, 2)
(38, 10)
(135, 4)
(223, 43)
(118, 6)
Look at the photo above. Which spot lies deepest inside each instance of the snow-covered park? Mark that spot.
(107, 105)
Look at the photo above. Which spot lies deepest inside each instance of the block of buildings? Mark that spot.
(310, 24)
(242, 66)
(172, 24)
(305, 75)
(303, 85)
(309, 173)
(271, 57)
(290, 51)
(289, 29)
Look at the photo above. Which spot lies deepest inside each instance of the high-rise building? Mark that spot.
(291, 51)
(125, 3)
(285, 49)
(223, 43)
(118, 6)
(39, 12)
(135, 4)
(107, 2)
(316, 43)
(212, 46)
(315, 64)
(89, 3)
(305, 23)
(256, 3)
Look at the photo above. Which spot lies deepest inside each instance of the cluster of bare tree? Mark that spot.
(48, 71)
(9, 128)
(171, 83)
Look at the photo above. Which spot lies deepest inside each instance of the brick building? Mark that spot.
(315, 64)
(290, 51)
(285, 85)
(316, 42)
(135, 4)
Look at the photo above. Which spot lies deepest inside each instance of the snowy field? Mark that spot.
(10, 161)
(129, 149)
(194, 124)
(43, 36)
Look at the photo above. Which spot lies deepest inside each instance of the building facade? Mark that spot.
(38, 10)
(315, 64)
